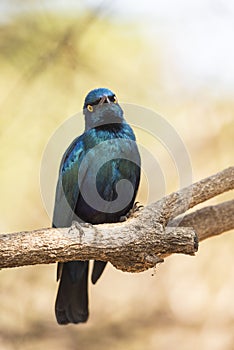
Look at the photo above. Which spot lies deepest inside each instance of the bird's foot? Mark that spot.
(78, 226)
(86, 224)
(135, 209)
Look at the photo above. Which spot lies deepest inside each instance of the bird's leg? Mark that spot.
(136, 207)
(78, 226)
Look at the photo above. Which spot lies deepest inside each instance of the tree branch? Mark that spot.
(209, 221)
(136, 244)
(179, 202)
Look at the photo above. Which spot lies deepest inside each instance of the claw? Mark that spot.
(78, 226)
(136, 207)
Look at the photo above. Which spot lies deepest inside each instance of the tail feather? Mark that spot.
(71, 304)
(98, 268)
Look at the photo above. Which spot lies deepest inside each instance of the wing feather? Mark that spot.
(67, 191)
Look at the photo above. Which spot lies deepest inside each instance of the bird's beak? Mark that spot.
(104, 99)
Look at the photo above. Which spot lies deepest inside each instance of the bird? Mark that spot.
(98, 181)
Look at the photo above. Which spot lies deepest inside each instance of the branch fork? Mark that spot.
(137, 244)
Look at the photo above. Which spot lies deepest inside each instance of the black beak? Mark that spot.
(103, 100)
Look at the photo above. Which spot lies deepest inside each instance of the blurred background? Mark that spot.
(175, 58)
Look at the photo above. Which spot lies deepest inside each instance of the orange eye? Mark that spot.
(89, 108)
(115, 99)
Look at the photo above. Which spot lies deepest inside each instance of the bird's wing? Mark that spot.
(67, 191)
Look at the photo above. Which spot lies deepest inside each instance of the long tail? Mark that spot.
(71, 304)
(98, 268)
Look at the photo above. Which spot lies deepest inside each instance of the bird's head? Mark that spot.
(101, 107)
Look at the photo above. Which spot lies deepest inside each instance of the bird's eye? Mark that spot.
(113, 99)
(89, 108)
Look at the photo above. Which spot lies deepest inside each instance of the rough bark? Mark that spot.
(137, 244)
(210, 221)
